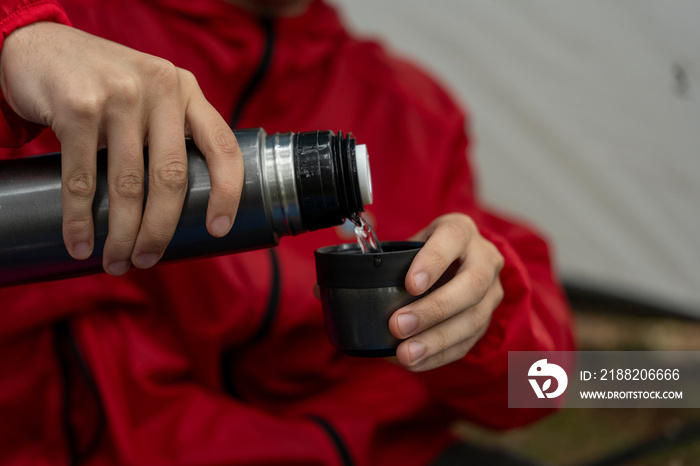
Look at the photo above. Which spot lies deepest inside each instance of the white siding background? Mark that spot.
(586, 121)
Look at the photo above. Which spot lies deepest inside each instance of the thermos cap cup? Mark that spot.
(344, 266)
(360, 293)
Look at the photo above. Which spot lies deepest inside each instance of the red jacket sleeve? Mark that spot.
(533, 316)
(14, 14)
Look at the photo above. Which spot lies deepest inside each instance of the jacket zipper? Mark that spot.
(336, 439)
(260, 72)
(273, 303)
(249, 90)
(67, 349)
(227, 358)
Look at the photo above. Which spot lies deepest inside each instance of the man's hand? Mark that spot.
(443, 325)
(94, 94)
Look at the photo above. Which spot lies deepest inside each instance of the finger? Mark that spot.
(224, 159)
(78, 172)
(317, 291)
(447, 243)
(462, 330)
(451, 354)
(126, 191)
(466, 289)
(167, 184)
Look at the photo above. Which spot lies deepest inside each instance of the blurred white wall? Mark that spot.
(586, 121)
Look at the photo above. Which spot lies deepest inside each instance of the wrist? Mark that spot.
(24, 15)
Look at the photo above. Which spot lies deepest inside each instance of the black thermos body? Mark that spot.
(293, 183)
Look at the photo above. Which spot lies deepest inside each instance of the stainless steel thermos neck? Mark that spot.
(293, 183)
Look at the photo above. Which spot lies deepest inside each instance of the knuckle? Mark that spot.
(129, 185)
(456, 232)
(187, 77)
(469, 222)
(221, 142)
(500, 260)
(440, 342)
(436, 260)
(84, 105)
(227, 193)
(499, 292)
(463, 348)
(495, 255)
(76, 225)
(122, 243)
(439, 359)
(479, 319)
(479, 283)
(224, 142)
(438, 309)
(119, 247)
(172, 174)
(157, 239)
(80, 185)
(45, 112)
(125, 88)
(163, 72)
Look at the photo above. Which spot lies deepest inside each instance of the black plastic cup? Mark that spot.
(360, 292)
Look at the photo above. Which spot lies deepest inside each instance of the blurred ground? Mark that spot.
(588, 436)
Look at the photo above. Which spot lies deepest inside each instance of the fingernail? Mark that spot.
(82, 250)
(220, 226)
(145, 261)
(118, 268)
(421, 281)
(416, 350)
(407, 323)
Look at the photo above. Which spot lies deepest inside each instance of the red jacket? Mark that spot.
(197, 362)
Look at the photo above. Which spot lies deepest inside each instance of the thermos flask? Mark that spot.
(293, 183)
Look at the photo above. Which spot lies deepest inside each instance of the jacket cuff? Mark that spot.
(14, 130)
(26, 13)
